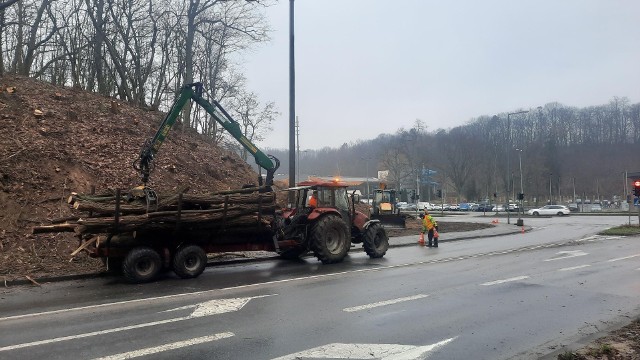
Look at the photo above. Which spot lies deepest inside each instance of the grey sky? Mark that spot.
(367, 67)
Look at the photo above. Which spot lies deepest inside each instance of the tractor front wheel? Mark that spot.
(376, 241)
(330, 239)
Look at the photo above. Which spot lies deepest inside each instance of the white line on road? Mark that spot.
(167, 347)
(574, 268)
(624, 258)
(207, 308)
(89, 334)
(568, 254)
(383, 303)
(366, 351)
(505, 280)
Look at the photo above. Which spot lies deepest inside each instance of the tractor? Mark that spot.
(329, 227)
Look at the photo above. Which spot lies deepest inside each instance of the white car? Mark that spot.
(560, 210)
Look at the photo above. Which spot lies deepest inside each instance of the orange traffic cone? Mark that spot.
(522, 230)
(421, 240)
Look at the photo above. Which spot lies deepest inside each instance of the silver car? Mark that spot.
(560, 210)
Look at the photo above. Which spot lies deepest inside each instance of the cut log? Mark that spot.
(82, 247)
(65, 227)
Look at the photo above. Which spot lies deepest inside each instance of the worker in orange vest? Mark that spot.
(430, 226)
(313, 201)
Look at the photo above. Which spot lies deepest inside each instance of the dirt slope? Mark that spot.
(83, 140)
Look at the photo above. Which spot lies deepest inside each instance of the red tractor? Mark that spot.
(328, 227)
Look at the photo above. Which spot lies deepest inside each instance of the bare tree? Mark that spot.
(6, 3)
(254, 119)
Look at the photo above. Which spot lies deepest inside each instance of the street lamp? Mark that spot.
(520, 222)
(366, 162)
(509, 146)
(550, 195)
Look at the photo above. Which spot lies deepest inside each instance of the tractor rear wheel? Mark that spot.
(330, 239)
(189, 261)
(141, 264)
(376, 241)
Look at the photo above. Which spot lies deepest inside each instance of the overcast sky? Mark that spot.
(367, 67)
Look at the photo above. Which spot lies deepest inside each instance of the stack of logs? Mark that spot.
(113, 213)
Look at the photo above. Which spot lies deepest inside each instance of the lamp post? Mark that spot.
(520, 222)
(292, 103)
(509, 146)
(366, 164)
(550, 195)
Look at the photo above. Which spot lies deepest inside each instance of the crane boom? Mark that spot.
(194, 92)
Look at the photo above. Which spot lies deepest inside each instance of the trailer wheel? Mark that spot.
(189, 261)
(376, 241)
(141, 264)
(330, 239)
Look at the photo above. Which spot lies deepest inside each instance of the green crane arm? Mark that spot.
(194, 92)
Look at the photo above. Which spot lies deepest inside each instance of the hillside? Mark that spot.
(83, 140)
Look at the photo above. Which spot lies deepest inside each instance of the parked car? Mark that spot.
(573, 206)
(423, 205)
(560, 210)
(596, 207)
(485, 207)
(498, 208)
(408, 207)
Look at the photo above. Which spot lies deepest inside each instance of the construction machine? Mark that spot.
(329, 227)
(194, 92)
(384, 208)
(138, 240)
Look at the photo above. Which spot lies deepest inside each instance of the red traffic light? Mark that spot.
(636, 183)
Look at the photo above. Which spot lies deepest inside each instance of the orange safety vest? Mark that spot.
(428, 223)
(313, 202)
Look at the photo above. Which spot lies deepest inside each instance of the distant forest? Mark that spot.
(560, 151)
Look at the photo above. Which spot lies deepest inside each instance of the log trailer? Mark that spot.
(139, 233)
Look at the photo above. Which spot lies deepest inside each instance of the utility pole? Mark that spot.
(292, 104)
(298, 148)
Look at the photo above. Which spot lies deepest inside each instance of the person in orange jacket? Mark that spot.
(429, 225)
(313, 201)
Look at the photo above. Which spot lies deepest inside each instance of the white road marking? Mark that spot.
(167, 347)
(624, 258)
(202, 309)
(505, 280)
(574, 268)
(218, 306)
(366, 351)
(383, 303)
(568, 254)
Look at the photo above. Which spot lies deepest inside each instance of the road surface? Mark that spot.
(508, 297)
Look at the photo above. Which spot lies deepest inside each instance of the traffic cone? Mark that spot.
(522, 230)
(421, 240)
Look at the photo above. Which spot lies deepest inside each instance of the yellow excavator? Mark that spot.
(384, 208)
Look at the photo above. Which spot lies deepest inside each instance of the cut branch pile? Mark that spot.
(106, 214)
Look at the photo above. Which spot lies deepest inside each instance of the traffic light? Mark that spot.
(439, 193)
(636, 188)
(520, 196)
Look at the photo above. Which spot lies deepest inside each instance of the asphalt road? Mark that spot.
(518, 296)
